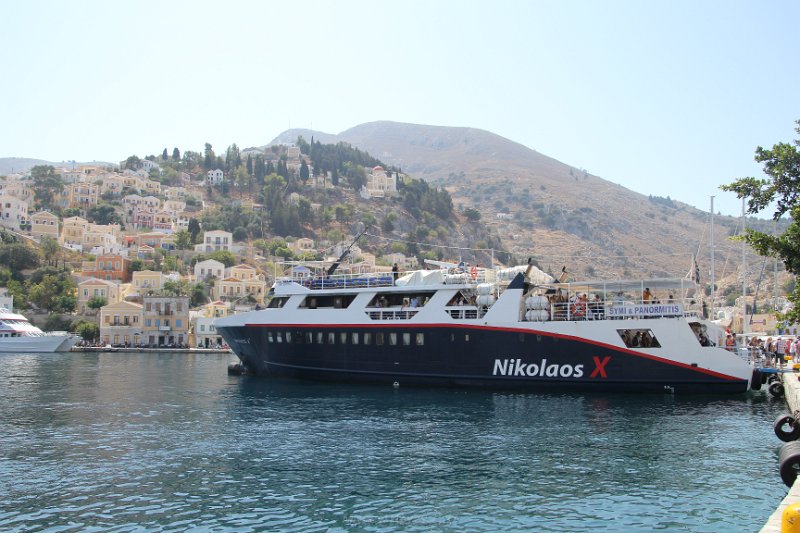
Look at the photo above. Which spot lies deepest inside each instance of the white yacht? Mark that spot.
(17, 334)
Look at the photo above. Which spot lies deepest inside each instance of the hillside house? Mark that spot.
(209, 269)
(121, 324)
(13, 212)
(97, 288)
(303, 244)
(144, 281)
(215, 240)
(81, 195)
(241, 281)
(380, 183)
(108, 267)
(205, 334)
(166, 320)
(72, 232)
(45, 224)
(214, 177)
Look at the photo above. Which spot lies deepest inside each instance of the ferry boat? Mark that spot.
(18, 335)
(514, 328)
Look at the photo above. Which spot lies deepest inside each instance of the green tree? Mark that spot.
(46, 185)
(176, 288)
(194, 229)
(304, 171)
(133, 162)
(781, 188)
(176, 154)
(88, 331)
(223, 256)
(164, 154)
(169, 264)
(209, 158)
(198, 294)
(239, 234)
(104, 214)
(136, 265)
(19, 257)
(192, 160)
(52, 289)
(472, 214)
(51, 249)
(97, 302)
(183, 240)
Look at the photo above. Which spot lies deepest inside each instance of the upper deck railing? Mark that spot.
(342, 281)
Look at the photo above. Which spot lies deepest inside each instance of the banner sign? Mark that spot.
(629, 310)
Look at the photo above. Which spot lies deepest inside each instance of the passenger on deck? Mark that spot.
(647, 295)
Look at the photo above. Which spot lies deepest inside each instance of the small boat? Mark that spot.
(17, 334)
(514, 328)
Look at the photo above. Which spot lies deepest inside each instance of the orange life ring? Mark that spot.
(474, 273)
(578, 309)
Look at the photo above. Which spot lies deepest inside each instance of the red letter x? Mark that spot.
(600, 366)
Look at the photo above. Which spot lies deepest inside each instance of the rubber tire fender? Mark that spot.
(772, 378)
(789, 461)
(787, 427)
(757, 379)
(776, 389)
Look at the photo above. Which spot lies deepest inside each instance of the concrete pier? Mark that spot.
(791, 385)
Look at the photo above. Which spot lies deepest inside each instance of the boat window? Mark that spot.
(278, 336)
(379, 339)
(638, 338)
(466, 337)
(406, 339)
(320, 338)
(309, 337)
(367, 338)
(343, 338)
(331, 338)
(288, 336)
(269, 336)
(354, 338)
(298, 337)
(420, 339)
(278, 302)
(701, 333)
(393, 339)
(316, 301)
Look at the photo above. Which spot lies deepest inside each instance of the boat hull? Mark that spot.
(41, 344)
(453, 356)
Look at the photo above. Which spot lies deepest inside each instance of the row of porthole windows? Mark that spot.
(368, 338)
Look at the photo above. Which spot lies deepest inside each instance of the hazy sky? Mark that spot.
(668, 98)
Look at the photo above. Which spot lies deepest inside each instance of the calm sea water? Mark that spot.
(170, 442)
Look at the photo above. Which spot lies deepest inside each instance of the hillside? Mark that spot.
(559, 214)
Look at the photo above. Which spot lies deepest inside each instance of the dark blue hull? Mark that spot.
(463, 356)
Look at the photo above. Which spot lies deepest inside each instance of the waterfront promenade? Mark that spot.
(112, 349)
(791, 385)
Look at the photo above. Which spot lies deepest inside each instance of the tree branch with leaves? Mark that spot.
(781, 188)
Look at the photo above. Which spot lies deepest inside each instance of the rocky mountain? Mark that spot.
(541, 207)
(21, 165)
(11, 165)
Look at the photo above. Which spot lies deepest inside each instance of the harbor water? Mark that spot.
(170, 442)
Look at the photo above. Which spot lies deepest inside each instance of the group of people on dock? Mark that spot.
(776, 351)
